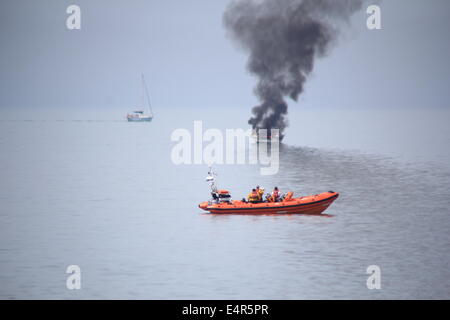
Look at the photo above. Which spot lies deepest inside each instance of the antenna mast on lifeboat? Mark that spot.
(210, 178)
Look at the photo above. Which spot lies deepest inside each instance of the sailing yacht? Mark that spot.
(140, 115)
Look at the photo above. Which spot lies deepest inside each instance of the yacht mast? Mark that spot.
(146, 92)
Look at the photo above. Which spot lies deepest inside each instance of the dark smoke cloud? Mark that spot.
(283, 38)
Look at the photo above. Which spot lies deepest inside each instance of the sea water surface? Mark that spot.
(87, 188)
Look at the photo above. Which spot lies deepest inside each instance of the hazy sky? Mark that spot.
(183, 49)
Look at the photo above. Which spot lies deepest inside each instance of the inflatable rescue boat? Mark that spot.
(221, 203)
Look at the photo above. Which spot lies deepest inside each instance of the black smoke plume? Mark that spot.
(283, 38)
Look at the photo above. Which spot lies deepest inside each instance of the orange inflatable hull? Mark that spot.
(315, 204)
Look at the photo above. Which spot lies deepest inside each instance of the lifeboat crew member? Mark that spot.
(260, 192)
(253, 196)
(275, 197)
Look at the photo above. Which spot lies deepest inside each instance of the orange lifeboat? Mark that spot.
(221, 203)
(315, 204)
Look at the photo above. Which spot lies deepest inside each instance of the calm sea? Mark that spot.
(90, 189)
